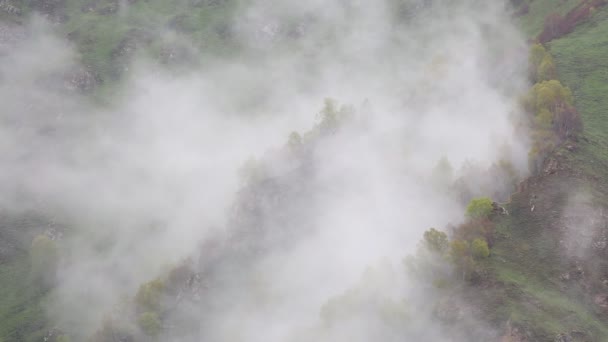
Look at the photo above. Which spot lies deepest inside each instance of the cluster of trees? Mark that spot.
(553, 118)
(498, 181)
(469, 244)
(141, 318)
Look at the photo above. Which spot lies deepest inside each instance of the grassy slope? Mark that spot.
(528, 258)
(22, 316)
(582, 61)
(532, 23)
(96, 36)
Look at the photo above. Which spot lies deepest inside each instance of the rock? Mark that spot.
(51, 9)
(10, 8)
(497, 208)
(551, 167)
(601, 300)
(563, 337)
(81, 79)
(513, 334)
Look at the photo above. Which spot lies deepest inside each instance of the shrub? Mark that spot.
(479, 208)
(480, 249)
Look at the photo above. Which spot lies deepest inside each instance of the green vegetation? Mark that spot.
(527, 259)
(480, 249)
(520, 254)
(150, 323)
(436, 241)
(532, 23)
(44, 255)
(148, 297)
(479, 208)
(22, 312)
(582, 65)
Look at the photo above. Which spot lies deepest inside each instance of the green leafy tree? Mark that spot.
(149, 295)
(150, 323)
(460, 254)
(550, 95)
(459, 249)
(546, 70)
(479, 208)
(328, 116)
(436, 241)
(541, 64)
(537, 54)
(544, 119)
(331, 116)
(480, 249)
(295, 141)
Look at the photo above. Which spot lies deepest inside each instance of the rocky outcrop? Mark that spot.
(53, 10)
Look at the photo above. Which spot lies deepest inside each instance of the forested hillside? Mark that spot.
(231, 170)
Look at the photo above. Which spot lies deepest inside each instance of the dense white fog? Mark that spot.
(141, 184)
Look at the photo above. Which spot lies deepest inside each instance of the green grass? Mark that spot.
(526, 258)
(527, 261)
(22, 313)
(582, 62)
(532, 23)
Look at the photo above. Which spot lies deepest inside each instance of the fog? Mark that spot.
(139, 184)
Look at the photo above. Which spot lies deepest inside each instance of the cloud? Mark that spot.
(140, 183)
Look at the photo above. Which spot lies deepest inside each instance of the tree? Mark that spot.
(148, 297)
(459, 249)
(331, 116)
(436, 241)
(542, 67)
(537, 54)
(295, 141)
(460, 254)
(474, 229)
(328, 117)
(479, 208)
(550, 95)
(480, 249)
(150, 323)
(544, 119)
(442, 173)
(546, 69)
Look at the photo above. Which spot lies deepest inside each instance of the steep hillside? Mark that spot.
(546, 278)
(550, 258)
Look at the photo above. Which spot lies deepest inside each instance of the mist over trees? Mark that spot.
(262, 171)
